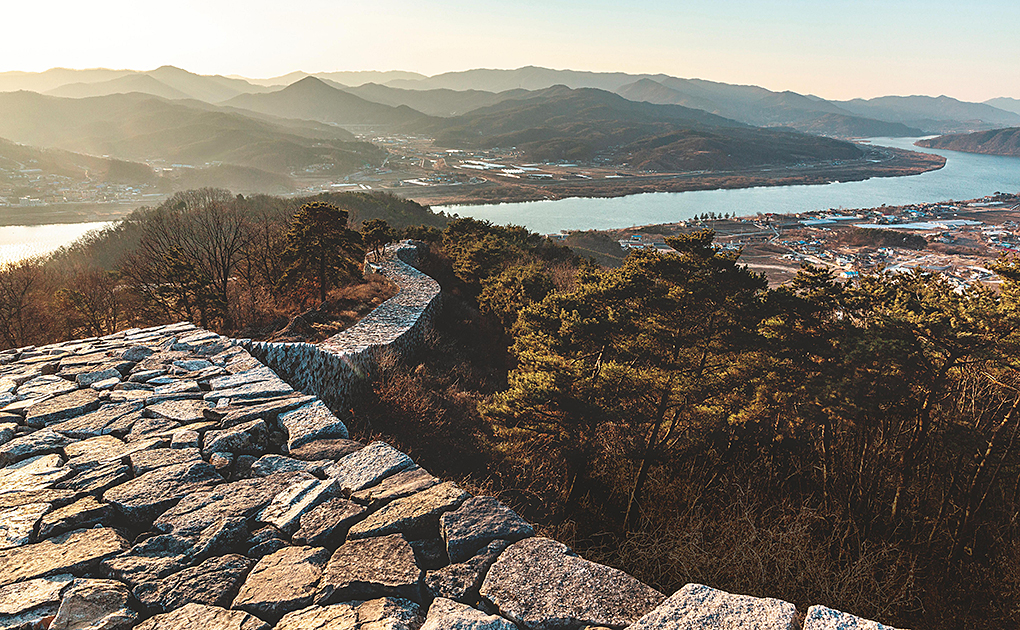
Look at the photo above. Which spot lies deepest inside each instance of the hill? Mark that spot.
(760, 107)
(312, 99)
(20, 164)
(141, 83)
(54, 78)
(438, 102)
(565, 124)
(166, 81)
(994, 142)
(142, 128)
(1008, 104)
(934, 114)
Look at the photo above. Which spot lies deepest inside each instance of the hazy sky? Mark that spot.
(968, 50)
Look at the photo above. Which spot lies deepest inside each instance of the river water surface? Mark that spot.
(965, 176)
(23, 241)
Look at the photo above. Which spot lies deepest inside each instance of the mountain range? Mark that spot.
(270, 133)
(456, 93)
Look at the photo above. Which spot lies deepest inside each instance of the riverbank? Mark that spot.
(878, 162)
(65, 213)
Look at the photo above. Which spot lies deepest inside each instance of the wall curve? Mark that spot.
(336, 369)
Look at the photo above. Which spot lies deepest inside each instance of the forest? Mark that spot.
(854, 445)
(847, 444)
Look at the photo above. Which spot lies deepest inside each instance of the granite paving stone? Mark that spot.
(193, 616)
(212, 583)
(368, 466)
(95, 605)
(74, 552)
(146, 497)
(416, 516)
(370, 568)
(59, 408)
(85, 512)
(477, 522)
(282, 582)
(540, 584)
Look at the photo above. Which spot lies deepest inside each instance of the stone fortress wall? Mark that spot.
(336, 369)
(165, 479)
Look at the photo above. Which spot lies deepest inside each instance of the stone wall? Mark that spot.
(164, 479)
(341, 366)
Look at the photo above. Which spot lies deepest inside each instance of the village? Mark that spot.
(958, 239)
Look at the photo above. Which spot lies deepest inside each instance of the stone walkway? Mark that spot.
(165, 479)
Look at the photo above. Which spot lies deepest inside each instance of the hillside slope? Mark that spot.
(933, 114)
(994, 142)
(565, 124)
(312, 99)
(142, 128)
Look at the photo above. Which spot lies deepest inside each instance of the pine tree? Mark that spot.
(321, 248)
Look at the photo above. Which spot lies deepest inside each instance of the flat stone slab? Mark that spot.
(17, 524)
(254, 375)
(477, 522)
(194, 616)
(182, 411)
(46, 386)
(368, 466)
(273, 463)
(399, 485)
(151, 459)
(822, 618)
(262, 389)
(461, 581)
(212, 583)
(416, 516)
(312, 422)
(96, 481)
(143, 498)
(86, 512)
(370, 568)
(326, 524)
(35, 473)
(385, 613)
(248, 438)
(282, 582)
(325, 448)
(287, 508)
(696, 606)
(63, 407)
(445, 614)
(94, 604)
(268, 411)
(243, 499)
(26, 604)
(112, 419)
(540, 584)
(56, 498)
(74, 552)
(42, 442)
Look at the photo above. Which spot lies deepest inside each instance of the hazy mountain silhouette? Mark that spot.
(940, 114)
(312, 99)
(993, 142)
(144, 128)
(1007, 104)
(438, 102)
(54, 78)
(141, 83)
(566, 124)
(760, 107)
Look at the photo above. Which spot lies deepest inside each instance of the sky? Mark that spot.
(836, 50)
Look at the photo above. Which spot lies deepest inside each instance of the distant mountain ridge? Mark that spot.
(312, 99)
(137, 127)
(456, 93)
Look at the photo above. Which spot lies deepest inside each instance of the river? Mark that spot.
(965, 176)
(23, 241)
